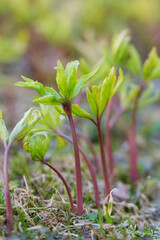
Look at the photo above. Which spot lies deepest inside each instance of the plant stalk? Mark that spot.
(68, 110)
(65, 184)
(109, 141)
(103, 159)
(132, 138)
(6, 190)
(90, 167)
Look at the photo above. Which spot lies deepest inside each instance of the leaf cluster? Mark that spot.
(68, 84)
(100, 95)
(31, 117)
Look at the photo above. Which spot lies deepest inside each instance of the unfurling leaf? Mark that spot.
(67, 78)
(107, 210)
(37, 146)
(30, 118)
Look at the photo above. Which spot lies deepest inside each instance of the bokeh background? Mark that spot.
(34, 34)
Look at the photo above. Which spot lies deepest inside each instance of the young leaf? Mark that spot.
(30, 118)
(92, 102)
(76, 110)
(134, 63)
(120, 46)
(3, 130)
(60, 110)
(106, 89)
(48, 100)
(71, 75)
(51, 91)
(37, 145)
(118, 83)
(82, 82)
(29, 83)
(61, 79)
(109, 201)
(151, 67)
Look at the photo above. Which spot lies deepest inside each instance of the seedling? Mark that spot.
(53, 120)
(98, 100)
(69, 87)
(134, 97)
(30, 118)
(37, 145)
(123, 53)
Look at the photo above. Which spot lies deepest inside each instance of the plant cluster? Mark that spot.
(38, 127)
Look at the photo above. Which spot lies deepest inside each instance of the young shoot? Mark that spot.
(37, 145)
(29, 120)
(53, 120)
(69, 87)
(98, 99)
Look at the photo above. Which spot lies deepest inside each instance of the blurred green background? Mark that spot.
(34, 34)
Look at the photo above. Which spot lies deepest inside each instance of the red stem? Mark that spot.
(109, 141)
(6, 190)
(68, 110)
(103, 159)
(132, 137)
(64, 182)
(90, 167)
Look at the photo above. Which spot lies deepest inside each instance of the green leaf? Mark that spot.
(107, 89)
(29, 83)
(48, 100)
(71, 75)
(61, 79)
(76, 110)
(30, 118)
(118, 83)
(151, 67)
(134, 63)
(82, 82)
(60, 110)
(92, 101)
(3, 130)
(37, 145)
(51, 91)
(120, 46)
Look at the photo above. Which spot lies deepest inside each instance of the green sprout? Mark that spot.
(69, 87)
(29, 120)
